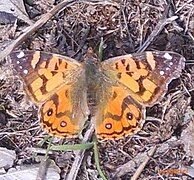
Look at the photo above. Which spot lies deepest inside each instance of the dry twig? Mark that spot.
(131, 165)
(79, 156)
(31, 29)
(142, 166)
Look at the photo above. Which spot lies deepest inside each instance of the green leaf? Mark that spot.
(100, 50)
(71, 147)
(97, 162)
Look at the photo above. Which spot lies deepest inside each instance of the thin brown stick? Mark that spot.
(79, 155)
(132, 164)
(142, 166)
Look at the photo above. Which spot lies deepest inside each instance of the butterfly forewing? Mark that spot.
(146, 74)
(43, 72)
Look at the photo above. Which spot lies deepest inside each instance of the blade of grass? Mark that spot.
(48, 148)
(72, 147)
(100, 50)
(97, 162)
(40, 144)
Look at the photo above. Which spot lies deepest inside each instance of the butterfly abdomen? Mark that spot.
(94, 83)
(92, 102)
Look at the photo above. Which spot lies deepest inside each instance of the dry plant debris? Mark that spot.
(126, 27)
(11, 10)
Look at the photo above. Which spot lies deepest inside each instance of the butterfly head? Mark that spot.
(90, 56)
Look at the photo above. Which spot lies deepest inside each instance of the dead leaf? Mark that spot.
(15, 8)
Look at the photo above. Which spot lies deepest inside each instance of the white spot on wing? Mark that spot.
(21, 55)
(161, 73)
(25, 71)
(17, 62)
(20, 67)
(167, 69)
(168, 56)
(171, 63)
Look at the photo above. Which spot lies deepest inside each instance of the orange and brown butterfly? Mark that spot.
(114, 92)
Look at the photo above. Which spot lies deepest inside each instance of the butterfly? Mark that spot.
(114, 92)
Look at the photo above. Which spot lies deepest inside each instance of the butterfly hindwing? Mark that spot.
(120, 116)
(65, 112)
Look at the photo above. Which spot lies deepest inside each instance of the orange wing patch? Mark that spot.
(42, 72)
(121, 115)
(150, 59)
(146, 75)
(53, 82)
(56, 114)
(136, 78)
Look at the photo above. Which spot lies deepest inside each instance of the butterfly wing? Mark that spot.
(146, 75)
(53, 83)
(137, 81)
(65, 112)
(118, 114)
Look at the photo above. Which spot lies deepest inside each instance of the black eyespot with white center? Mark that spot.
(49, 112)
(108, 126)
(129, 116)
(63, 123)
